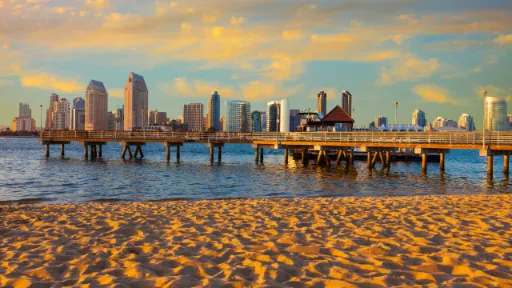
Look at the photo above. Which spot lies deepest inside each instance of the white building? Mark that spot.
(284, 116)
(495, 114)
(24, 121)
(135, 102)
(96, 107)
(419, 118)
(466, 122)
(60, 115)
(238, 116)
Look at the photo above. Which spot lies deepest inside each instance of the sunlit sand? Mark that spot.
(461, 241)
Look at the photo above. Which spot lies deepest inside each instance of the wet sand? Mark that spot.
(458, 241)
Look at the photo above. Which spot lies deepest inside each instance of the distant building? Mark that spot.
(60, 115)
(161, 118)
(510, 122)
(256, 121)
(222, 124)
(466, 122)
(238, 116)
(371, 125)
(24, 122)
(381, 121)
(53, 98)
(193, 116)
(263, 121)
(96, 107)
(273, 108)
(78, 114)
(118, 119)
(495, 114)
(111, 121)
(346, 102)
(321, 102)
(441, 122)
(419, 118)
(151, 117)
(294, 119)
(213, 112)
(336, 120)
(135, 102)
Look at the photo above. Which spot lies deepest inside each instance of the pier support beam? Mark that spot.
(388, 159)
(123, 154)
(178, 155)
(340, 155)
(351, 157)
(256, 154)
(47, 152)
(100, 151)
(93, 152)
(219, 154)
(424, 156)
(86, 152)
(305, 157)
(490, 166)
(441, 161)
(212, 146)
(261, 155)
(167, 152)
(168, 149)
(506, 163)
(369, 159)
(424, 162)
(285, 156)
(211, 154)
(62, 150)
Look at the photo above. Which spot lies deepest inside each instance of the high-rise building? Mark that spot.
(419, 118)
(263, 121)
(60, 115)
(213, 112)
(96, 107)
(193, 116)
(495, 114)
(284, 116)
(111, 121)
(466, 122)
(118, 119)
(25, 111)
(321, 103)
(222, 124)
(135, 102)
(256, 121)
(78, 114)
(152, 117)
(381, 121)
(238, 116)
(273, 109)
(294, 119)
(160, 118)
(510, 122)
(346, 102)
(24, 121)
(53, 98)
(441, 122)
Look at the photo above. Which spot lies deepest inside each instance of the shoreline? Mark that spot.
(348, 241)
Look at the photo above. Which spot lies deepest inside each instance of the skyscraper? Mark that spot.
(346, 102)
(441, 122)
(273, 109)
(152, 117)
(60, 115)
(238, 116)
(119, 119)
(160, 118)
(322, 103)
(495, 114)
(256, 121)
(24, 110)
(263, 121)
(419, 118)
(78, 114)
(96, 107)
(214, 112)
(466, 122)
(294, 119)
(135, 102)
(53, 98)
(193, 116)
(381, 121)
(284, 116)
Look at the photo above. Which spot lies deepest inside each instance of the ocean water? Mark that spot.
(26, 174)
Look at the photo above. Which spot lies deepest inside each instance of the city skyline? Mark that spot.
(437, 56)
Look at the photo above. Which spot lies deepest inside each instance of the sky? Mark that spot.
(435, 55)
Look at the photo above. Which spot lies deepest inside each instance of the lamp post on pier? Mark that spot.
(41, 121)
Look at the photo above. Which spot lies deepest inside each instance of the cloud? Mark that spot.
(260, 91)
(237, 21)
(503, 39)
(282, 68)
(51, 82)
(97, 4)
(182, 87)
(292, 34)
(408, 69)
(434, 93)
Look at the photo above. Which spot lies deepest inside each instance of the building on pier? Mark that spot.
(336, 120)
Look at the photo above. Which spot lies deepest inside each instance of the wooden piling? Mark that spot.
(219, 154)
(62, 150)
(178, 154)
(93, 151)
(123, 154)
(167, 152)
(381, 156)
(305, 157)
(140, 151)
(505, 164)
(286, 156)
(319, 158)
(256, 154)
(369, 158)
(129, 151)
(100, 151)
(86, 152)
(441, 161)
(490, 165)
(211, 154)
(424, 162)
(326, 159)
(338, 159)
(261, 155)
(137, 147)
(47, 153)
(374, 159)
(351, 157)
(388, 159)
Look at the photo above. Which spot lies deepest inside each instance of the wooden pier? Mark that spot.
(379, 146)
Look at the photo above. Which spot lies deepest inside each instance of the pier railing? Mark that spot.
(446, 138)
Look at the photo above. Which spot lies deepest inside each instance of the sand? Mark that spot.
(458, 241)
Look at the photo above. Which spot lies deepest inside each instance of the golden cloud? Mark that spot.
(503, 39)
(410, 68)
(182, 87)
(434, 93)
(116, 93)
(50, 82)
(258, 91)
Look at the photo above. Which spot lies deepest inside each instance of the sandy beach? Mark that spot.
(458, 241)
